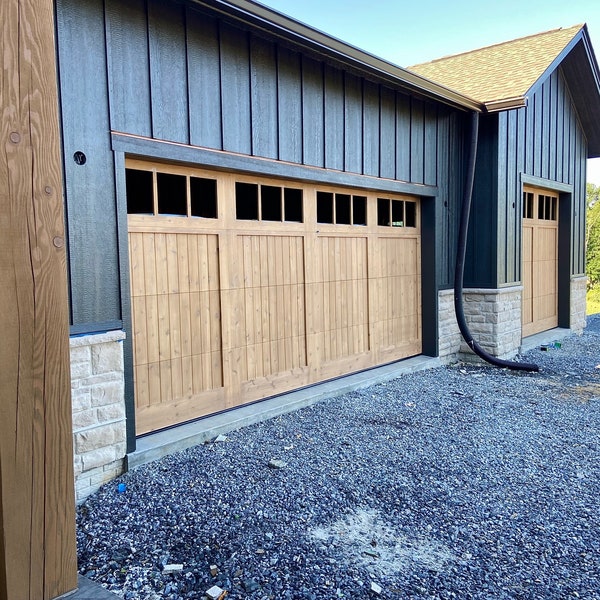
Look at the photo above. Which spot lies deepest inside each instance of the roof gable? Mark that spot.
(504, 76)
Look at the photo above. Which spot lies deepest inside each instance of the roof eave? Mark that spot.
(278, 24)
(493, 106)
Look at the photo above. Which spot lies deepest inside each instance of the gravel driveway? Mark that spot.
(458, 482)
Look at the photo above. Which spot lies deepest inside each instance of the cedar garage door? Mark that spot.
(244, 287)
(540, 261)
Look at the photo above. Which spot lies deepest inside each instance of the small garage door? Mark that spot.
(540, 261)
(244, 287)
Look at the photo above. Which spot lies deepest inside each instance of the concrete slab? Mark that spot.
(156, 445)
(89, 590)
(544, 338)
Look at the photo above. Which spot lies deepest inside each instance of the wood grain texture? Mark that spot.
(37, 554)
(227, 311)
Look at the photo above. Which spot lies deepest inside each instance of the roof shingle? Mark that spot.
(501, 72)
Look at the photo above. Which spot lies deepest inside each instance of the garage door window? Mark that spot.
(162, 193)
(396, 213)
(255, 202)
(341, 209)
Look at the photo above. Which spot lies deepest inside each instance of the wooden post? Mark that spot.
(37, 505)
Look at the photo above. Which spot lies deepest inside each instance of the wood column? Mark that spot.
(37, 505)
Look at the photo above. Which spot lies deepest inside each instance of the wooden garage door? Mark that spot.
(540, 261)
(244, 287)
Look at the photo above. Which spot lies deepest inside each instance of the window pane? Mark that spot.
(359, 210)
(410, 214)
(397, 213)
(270, 202)
(342, 209)
(139, 192)
(324, 207)
(172, 194)
(293, 205)
(203, 197)
(383, 212)
(246, 201)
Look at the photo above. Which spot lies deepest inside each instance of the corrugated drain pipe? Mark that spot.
(460, 262)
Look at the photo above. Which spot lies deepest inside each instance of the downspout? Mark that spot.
(460, 262)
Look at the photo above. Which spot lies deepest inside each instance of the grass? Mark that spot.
(593, 301)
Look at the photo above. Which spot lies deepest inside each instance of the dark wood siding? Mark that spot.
(171, 72)
(89, 188)
(543, 140)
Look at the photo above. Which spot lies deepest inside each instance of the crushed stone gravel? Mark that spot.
(458, 482)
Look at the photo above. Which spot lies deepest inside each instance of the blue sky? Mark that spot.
(408, 33)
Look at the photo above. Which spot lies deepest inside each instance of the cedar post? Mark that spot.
(37, 505)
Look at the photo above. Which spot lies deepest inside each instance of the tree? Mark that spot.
(592, 237)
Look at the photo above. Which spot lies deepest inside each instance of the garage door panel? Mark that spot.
(540, 262)
(231, 308)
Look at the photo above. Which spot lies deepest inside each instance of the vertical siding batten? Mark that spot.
(403, 137)
(168, 71)
(89, 188)
(235, 90)
(289, 78)
(128, 67)
(204, 80)
(263, 89)
(371, 128)
(334, 118)
(387, 139)
(353, 123)
(313, 112)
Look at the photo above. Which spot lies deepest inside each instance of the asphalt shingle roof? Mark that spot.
(500, 72)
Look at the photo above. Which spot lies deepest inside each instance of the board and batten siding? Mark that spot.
(543, 140)
(172, 72)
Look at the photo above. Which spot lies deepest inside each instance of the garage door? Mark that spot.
(540, 261)
(245, 287)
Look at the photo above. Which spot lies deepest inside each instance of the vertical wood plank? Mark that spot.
(204, 80)
(128, 66)
(168, 71)
(387, 149)
(37, 526)
(334, 118)
(371, 128)
(313, 116)
(263, 85)
(403, 137)
(290, 109)
(417, 142)
(235, 90)
(353, 116)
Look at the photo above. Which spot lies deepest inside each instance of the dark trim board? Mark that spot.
(227, 161)
(545, 183)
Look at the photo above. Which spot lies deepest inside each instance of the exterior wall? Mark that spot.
(578, 303)
(98, 410)
(544, 141)
(493, 316)
(172, 71)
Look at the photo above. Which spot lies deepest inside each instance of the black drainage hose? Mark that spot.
(460, 263)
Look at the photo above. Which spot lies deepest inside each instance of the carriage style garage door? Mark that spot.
(540, 261)
(243, 287)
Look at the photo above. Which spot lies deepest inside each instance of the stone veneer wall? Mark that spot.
(578, 304)
(493, 316)
(99, 436)
(448, 331)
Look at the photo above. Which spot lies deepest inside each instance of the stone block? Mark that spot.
(110, 392)
(81, 399)
(111, 412)
(97, 437)
(84, 418)
(80, 370)
(107, 358)
(98, 458)
(81, 354)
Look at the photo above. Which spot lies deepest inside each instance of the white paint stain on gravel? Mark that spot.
(364, 537)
